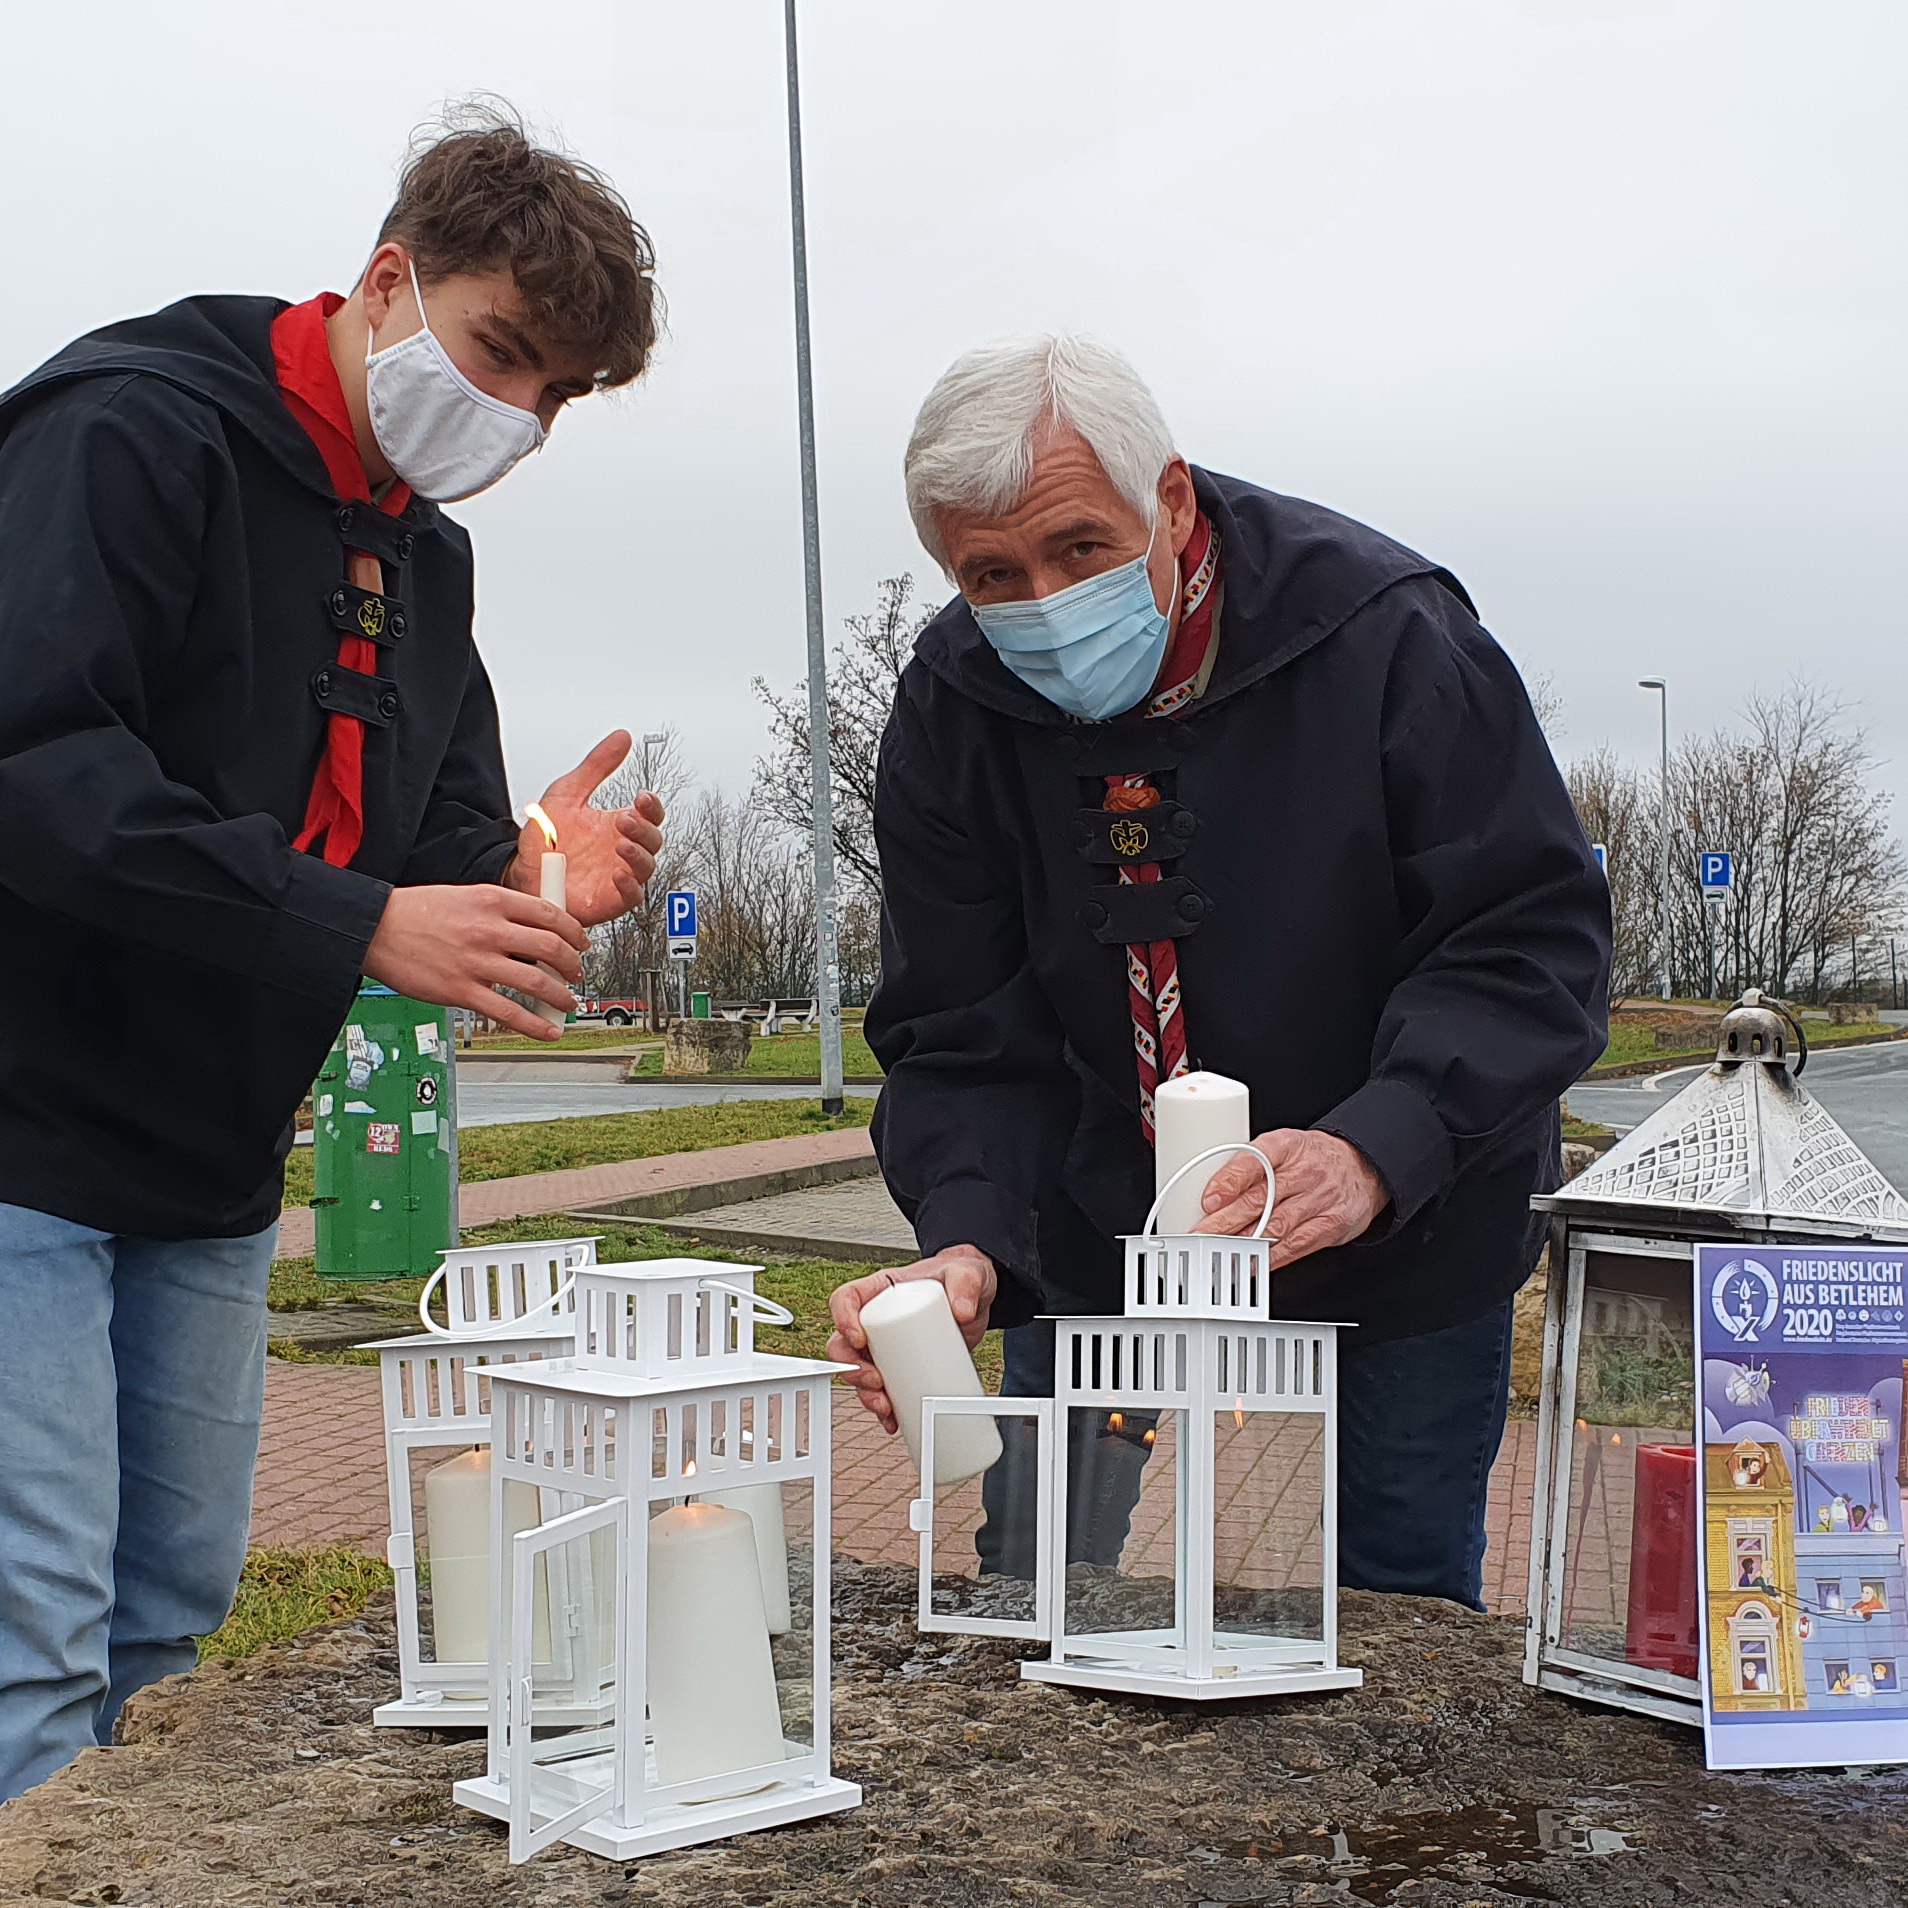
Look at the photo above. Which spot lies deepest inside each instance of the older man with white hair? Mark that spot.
(1363, 892)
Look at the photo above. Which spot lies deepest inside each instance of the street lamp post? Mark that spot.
(1663, 834)
(827, 958)
(651, 978)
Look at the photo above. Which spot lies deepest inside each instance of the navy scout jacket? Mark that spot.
(1389, 923)
(171, 563)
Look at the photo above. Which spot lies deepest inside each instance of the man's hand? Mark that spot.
(966, 1271)
(1327, 1193)
(457, 945)
(612, 851)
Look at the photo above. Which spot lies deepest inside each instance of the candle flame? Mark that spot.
(689, 1469)
(533, 811)
(1616, 1437)
(1116, 1420)
(1149, 1437)
(1238, 1413)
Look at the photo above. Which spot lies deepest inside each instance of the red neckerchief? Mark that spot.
(1152, 968)
(308, 382)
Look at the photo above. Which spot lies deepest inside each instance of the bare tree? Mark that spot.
(623, 950)
(861, 680)
(1790, 796)
(1616, 810)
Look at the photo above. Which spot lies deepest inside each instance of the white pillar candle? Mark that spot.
(553, 884)
(762, 1504)
(457, 1548)
(918, 1349)
(1190, 1114)
(709, 1671)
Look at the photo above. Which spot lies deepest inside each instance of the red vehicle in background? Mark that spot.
(612, 1013)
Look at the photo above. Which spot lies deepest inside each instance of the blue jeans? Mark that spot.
(132, 1377)
(1419, 1423)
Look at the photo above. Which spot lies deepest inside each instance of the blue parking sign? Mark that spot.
(1715, 872)
(679, 911)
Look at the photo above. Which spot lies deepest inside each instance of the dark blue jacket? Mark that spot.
(171, 572)
(1392, 930)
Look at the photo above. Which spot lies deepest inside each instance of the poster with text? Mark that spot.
(1801, 1354)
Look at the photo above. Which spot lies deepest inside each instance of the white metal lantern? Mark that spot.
(1222, 1405)
(503, 1304)
(1743, 1153)
(660, 1641)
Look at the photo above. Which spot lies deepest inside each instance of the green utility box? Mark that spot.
(384, 1141)
(698, 1006)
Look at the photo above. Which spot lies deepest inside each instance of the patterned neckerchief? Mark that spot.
(1152, 967)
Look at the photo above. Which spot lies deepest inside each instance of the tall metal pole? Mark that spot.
(1663, 832)
(827, 955)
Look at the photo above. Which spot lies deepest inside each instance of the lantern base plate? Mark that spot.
(1129, 1679)
(682, 1825)
(1592, 1689)
(451, 1713)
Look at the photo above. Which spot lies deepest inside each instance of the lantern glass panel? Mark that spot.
(1627, 1527)
(1004, 1509)
(559, 1624)
(1268, 1556)
(793, 1646)
(1124, 1480)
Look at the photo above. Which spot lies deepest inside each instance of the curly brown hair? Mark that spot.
(478, 195)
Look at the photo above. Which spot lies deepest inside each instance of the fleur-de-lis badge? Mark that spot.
(1129, 838)
(371, 616)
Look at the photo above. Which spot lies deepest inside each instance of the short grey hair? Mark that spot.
(973, 441)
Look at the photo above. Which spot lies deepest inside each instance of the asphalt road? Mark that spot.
(1866, 1088)
(504, 1105)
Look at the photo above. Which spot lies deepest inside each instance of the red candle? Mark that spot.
(1662, 1632)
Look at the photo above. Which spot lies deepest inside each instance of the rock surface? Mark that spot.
(1443, 1780)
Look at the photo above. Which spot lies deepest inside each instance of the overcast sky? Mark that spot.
(1600, 304)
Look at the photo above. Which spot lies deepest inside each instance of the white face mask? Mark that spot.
(442, 435)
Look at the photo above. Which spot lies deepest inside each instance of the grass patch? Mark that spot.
(803, 1285)
(1574, 1129)
(1631, 1041)
(575, 1040)
(283, 1591)
(780, 1055)
(601, 1139)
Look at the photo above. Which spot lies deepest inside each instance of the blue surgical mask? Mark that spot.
(1091, 649)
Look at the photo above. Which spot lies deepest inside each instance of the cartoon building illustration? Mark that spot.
(1755, 1645)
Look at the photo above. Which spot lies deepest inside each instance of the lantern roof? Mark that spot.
(609, 1381)
(1744, 1141)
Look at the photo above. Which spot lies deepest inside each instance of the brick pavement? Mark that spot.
(321, 1480)
(487, 1201)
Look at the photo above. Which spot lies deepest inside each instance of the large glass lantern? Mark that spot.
(1743, 1153)
(1184, 1497)
(502, 1304)
(659, 1641)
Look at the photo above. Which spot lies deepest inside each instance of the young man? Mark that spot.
(248, 754)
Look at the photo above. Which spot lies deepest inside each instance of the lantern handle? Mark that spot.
(764, 1310)
(503, 1328)
(1226, 1151)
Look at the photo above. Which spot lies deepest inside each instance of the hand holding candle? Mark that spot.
(609, 853)
(918, 1350)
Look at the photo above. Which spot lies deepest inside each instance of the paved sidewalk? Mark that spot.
(486, 1201)
(855, 1219)
(321, 1481)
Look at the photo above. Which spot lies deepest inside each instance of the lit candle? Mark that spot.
(1190, 1114)
(457, 1536)
(553, 884)
(710, 1674)
(762, 1504)
(919, 1351)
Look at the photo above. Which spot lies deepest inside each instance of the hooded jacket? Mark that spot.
(1389, 926)
(172, 572)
